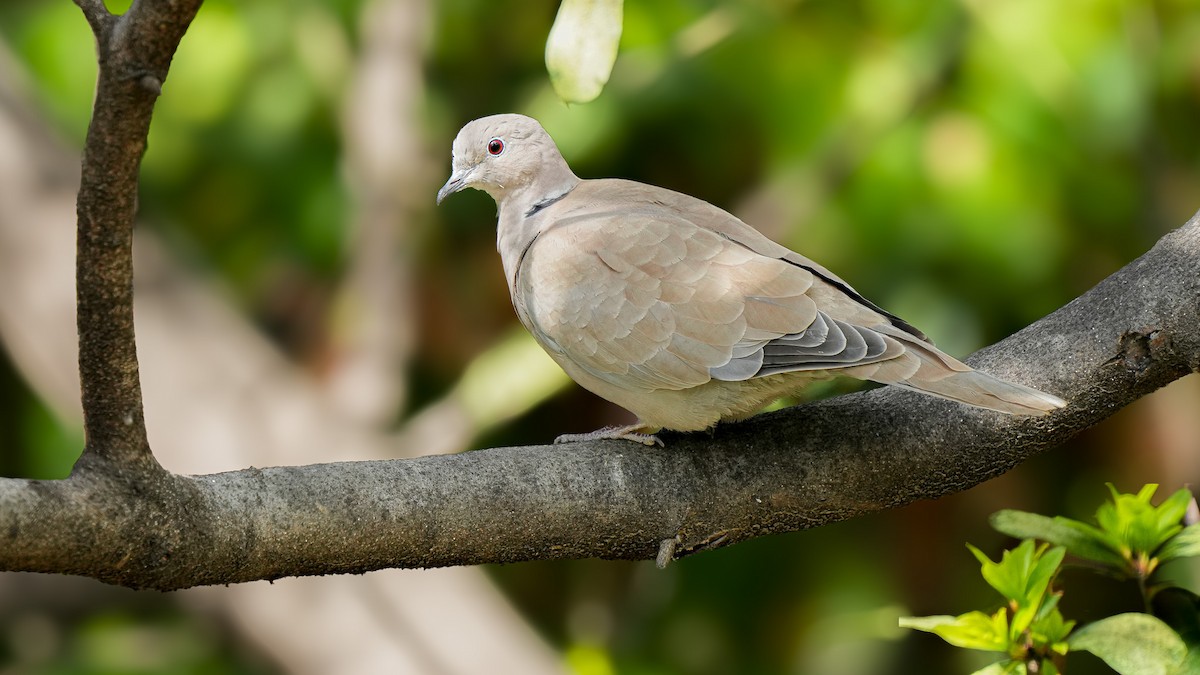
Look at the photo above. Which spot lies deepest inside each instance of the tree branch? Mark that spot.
(375, 309)
(793, 469)
(135, 51)
(97, 15)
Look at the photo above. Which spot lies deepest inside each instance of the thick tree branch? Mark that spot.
(798, 468)
(135, 51)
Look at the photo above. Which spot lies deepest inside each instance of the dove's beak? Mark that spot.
(456, 183)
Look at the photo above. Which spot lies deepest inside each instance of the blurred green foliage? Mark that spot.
(970, 165)
(126, 641)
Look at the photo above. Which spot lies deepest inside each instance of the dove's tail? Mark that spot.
(926, 369)
(980, 389)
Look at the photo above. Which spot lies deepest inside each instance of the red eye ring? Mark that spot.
(495, 147)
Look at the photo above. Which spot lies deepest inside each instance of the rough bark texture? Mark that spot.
(134, 52)
(789, 470)
(121, 519)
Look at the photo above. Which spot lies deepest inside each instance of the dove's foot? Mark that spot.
(633, 432)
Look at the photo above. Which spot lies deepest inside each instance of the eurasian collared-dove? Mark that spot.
(676, 310)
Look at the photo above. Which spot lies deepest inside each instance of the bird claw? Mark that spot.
(627, 433)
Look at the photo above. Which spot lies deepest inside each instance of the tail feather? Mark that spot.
(980, 389)
(944, 376)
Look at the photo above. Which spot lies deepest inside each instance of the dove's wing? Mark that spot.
(644, 298)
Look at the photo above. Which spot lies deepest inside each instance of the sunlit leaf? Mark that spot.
(582, 47)
(1132, 644)
(1004, 576)
(927, 623)
(1038, 578)
(973, 630)
(1139, 526)
(1023, 573)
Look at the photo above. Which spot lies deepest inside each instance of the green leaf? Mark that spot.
(973, 630)
(1007, 667)
(1004, 576)
(1132, 644)
(1140, 527)
(1080, 539)
(1051, 630)
(927, 623)
(1183, 545)
(1143, 495)
(1171, 511)
(582, 47)
(1048, 606)
(1131, 530)
(1037, 583)
(1116, 517)
(1022, 576)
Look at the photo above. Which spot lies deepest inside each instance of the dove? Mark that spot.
(675, 309)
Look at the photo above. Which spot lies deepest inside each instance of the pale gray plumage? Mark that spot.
(675, 309)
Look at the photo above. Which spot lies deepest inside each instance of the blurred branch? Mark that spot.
(374, 325)
(134, 53)
(794, 469)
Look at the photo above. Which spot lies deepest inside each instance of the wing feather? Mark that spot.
(649, 299)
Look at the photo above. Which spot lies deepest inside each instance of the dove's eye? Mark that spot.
(495, 146)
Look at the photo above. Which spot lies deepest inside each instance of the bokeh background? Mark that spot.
(970, 165)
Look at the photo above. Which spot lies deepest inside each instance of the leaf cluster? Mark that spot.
(1132, 536)
(1029, 627)
(1131, 539)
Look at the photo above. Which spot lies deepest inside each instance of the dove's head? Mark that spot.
(506, 156)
